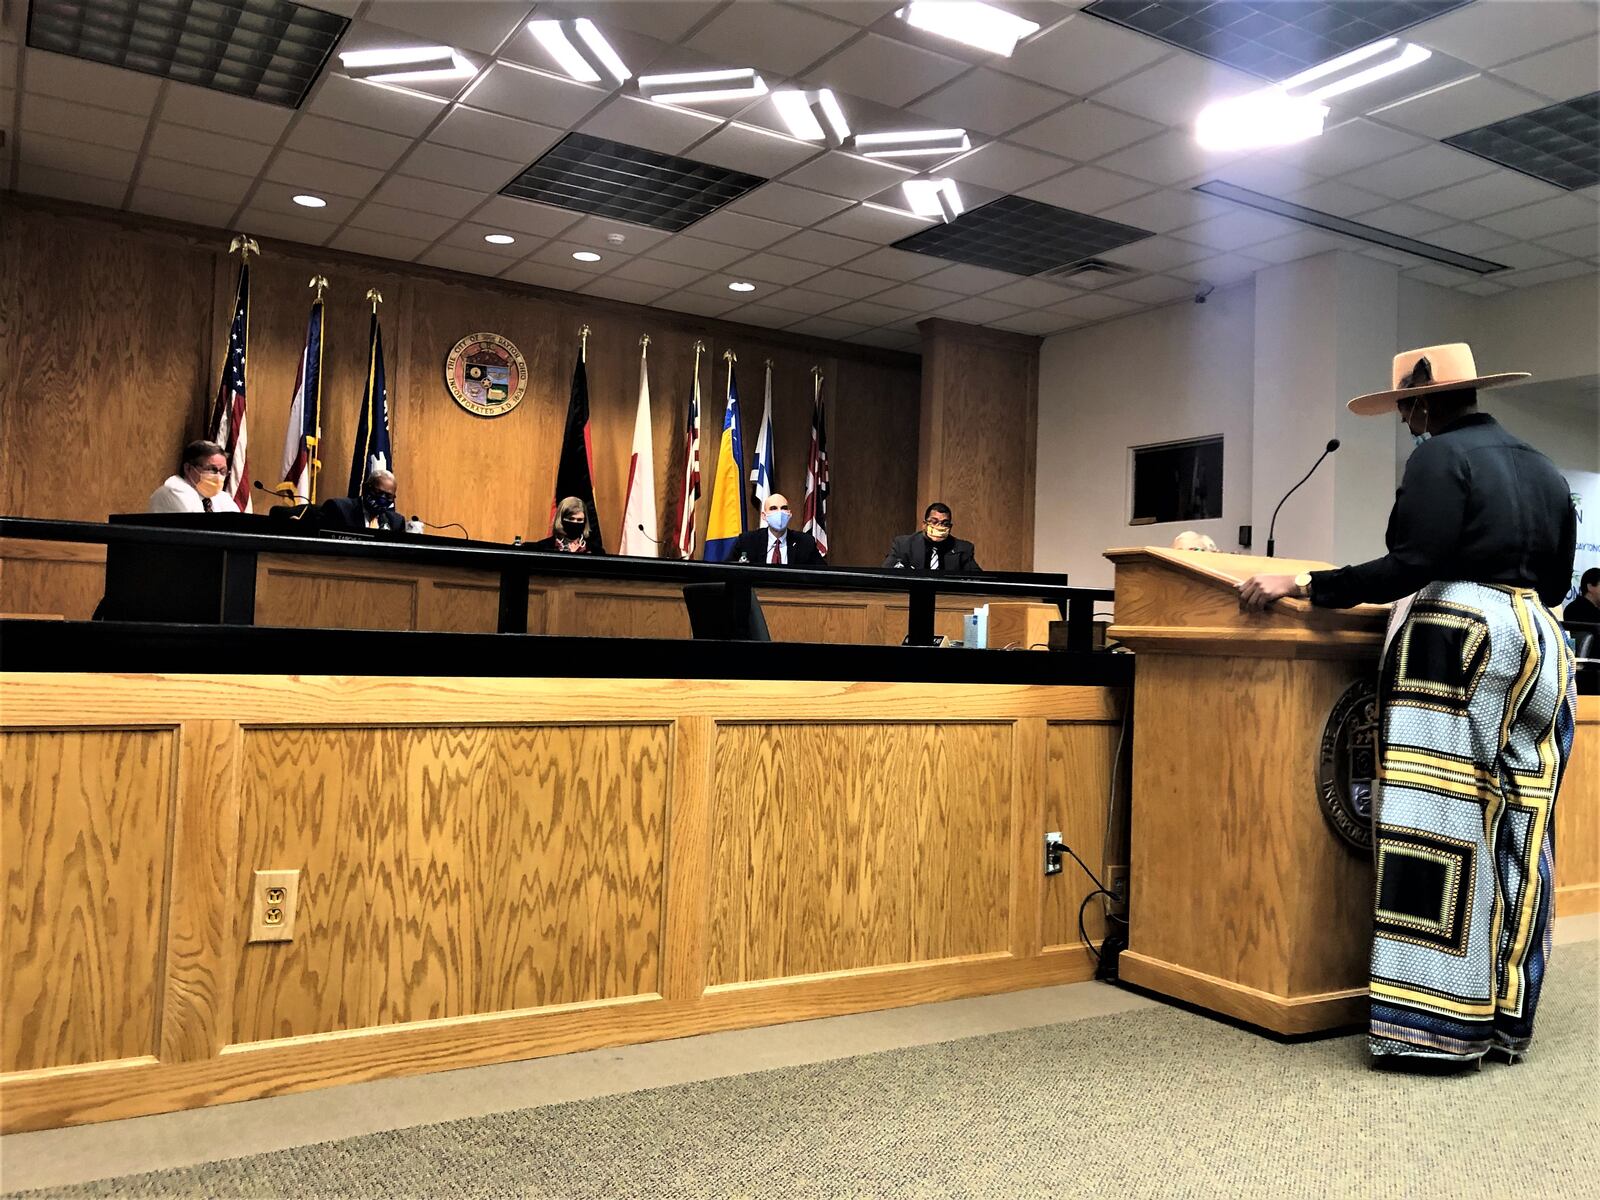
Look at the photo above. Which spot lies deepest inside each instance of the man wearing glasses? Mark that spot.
(933, 548)
(197, 487)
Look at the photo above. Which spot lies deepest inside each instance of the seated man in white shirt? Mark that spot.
(775, 544)
(197, 487)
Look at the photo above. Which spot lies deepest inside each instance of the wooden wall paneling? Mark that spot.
(1029, 770)
(813, 620)
(85, 816)
(452, 606)
(607, 613)
(687, 931)
(873, 417)
(296, 593)
(1076, 795)
(64, 579)
(1578, 817)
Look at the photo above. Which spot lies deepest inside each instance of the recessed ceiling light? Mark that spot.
(407, 64)
(739, 84)
(1268, 117)
(499, 239)
(741, 286)
(585, 256)
(969, 22)
(913, 143)
(309, 201)
(581, 50)
(1410, 55)
(934, 198)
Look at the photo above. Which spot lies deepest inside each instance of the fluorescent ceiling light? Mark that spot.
(741, 286)
(969, 22)
(499, 239)
(1266, 117)
(913, 143)
(580, 49)
(805, 115)
(407, 64)
(585, 256)
(738, 84)
(1410, 56)
(1323, 70)
(934, 198)
(309, 201)
(833, 114)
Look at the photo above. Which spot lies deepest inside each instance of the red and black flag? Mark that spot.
(575, 471)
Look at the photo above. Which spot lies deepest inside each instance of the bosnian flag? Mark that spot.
(727, 519)
(691, 467)
(227, 424)
(761, 473)
(639, 510)
(305, 418)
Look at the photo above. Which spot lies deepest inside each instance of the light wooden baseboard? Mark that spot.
(1280, 1014)
(1577, 899)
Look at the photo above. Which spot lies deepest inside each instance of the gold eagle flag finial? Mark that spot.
(583, 344)
(244, 246)
(376, 298)
(320, 282)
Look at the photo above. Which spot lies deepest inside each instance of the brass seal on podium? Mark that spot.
(1347, 765)
(486, 374)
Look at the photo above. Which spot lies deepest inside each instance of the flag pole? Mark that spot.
(644, 345)
(376, 297)
(583, 344)
(314, 464)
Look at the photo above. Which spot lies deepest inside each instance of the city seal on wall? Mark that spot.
(486, 374)
(1347, 765)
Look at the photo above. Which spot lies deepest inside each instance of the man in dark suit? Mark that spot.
(374, 510)
(775, 544)
(933, 549)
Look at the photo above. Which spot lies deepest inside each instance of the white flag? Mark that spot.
(761, 473)
(639, 512)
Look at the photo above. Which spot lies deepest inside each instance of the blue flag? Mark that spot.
(727, 518)
(372, 450)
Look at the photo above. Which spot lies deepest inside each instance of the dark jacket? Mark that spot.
(911, 550)
(801, 548)
(1581, 612)
(343, 512)
(549, 543)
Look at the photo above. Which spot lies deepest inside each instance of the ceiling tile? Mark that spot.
(1087, 190)
(858, 12)
(1083, 54)
(321, 175)
(1346, 147)
(1004, 167)
(525, 216)
(1476, 100)
(1297, 246)
(66, 185)
(1085, 131)
(82, 123)
(887, 339)
(1580, 243)
(613, 288)
(446, 164)
(756, 151)
(493, 134)
(400, 222)
(874, 223)
(1164, 211)
(202, 108)
(290, 227)
(78, 158)
(1267, 176)
(1174, 90)
(841, 174)
(1152, 289)
(469, 24)
(187, 179)
(702, 306)
(801, 300)
(1156, 254)
(559, 252)
(826, 327)
(1041, 324)
(769, 36)
(276, 199)
(774, 268)
(1167, 159)
(660, 274)
(335, 139)
(666, 20)
(1404, 219)
(1219, 269)
(425, 196)
(455, 258)
(1482, 288)
(596, 232)
(896, 264)
(869, 312)
(1483, 35)
(1033, 293)
(849, 284)
(740, 229)
(1234, 230)
(1550, 274)
(1546, 217)
(182, 207)
(532, 96)
(966, 280)
(888, 71)
(826, 248)
(1488, 194)
(1563, 73)
(1096, 307)
(917, 298)
(1466, 238)
(544, 275)
(1421, 170)
(210, 150)
(378, 245)
(77, 79)
(1525, 255)
(1439, 276)
(1340, 199)
(654, 126)
(793, 205)
(375, 105)
(469, 235)
(696, 252)
(988, 101)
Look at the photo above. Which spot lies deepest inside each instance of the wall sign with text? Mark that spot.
(486, 374)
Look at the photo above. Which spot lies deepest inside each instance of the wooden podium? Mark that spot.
(1242, 899)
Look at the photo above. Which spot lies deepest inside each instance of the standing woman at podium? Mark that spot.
(1477, 705)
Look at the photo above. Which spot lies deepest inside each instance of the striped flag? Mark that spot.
(227, 424)
(305, 417)
(727, 518)
(373, 451)
(691, 466)
(814, 510)
(639, 510)
(762, 473)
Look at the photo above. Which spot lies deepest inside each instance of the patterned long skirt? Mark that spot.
(1478, 704)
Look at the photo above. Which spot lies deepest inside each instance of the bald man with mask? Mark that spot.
(775, 544)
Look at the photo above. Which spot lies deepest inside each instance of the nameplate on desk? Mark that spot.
(350, 535)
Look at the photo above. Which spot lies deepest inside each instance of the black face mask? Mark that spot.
(378, 502)
(572, 528)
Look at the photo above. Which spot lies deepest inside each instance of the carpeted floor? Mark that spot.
(1150, 1103)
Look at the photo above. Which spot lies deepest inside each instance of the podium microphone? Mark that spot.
(1333, 444)
(416, 520)
(282, 490)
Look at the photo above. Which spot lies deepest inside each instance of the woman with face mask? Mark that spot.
(569, 532)
(198, 485)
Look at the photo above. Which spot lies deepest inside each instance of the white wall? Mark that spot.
(1173, 373)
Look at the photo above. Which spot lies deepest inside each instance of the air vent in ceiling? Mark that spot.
(1094, 268)
(269, 50)
(1024, 237)
(1273, 39)
(628, 183)
(1559, 144)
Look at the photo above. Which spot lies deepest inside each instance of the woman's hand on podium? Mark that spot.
(1259, 591)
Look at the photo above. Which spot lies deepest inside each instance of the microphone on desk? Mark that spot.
(1333, 444)
(283, 489)
(416, 520)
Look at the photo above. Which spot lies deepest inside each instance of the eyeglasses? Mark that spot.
(940, 524)
(211, 470)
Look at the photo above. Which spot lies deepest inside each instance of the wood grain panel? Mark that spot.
(1578, 817)
(614, 613)
(854, 845)
(469, 608)
(870, 408)
(810, 621)
(1077, 793)
(84, 816)
(335, 600)
(64, 579)
(451, 871)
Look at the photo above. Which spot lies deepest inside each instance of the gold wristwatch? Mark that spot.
(1302, 583)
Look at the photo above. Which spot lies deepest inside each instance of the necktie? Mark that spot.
(933, 558)
(777, 552)
(205, 503)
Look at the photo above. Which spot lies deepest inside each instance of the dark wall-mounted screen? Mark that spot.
(1177, 481)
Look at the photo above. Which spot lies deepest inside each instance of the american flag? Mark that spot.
(227, 424)
(691, 468)
(814, 510)
(305, 418)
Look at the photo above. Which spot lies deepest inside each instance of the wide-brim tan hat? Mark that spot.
(1431, 369)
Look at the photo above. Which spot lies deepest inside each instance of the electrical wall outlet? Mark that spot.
(272, 906)
(1117, 882)
(1052, 852)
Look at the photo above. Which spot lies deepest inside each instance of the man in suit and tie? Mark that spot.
(775, 544)
(373, 510)
(932, 548)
